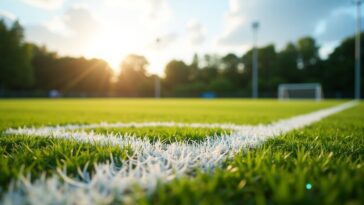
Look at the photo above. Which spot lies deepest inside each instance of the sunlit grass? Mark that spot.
(328, 157)
(37, 112)
(35, 156)
(164, 134)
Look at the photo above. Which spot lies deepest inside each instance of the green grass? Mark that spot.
(35, 155)
(37, 112)
(329, 154)
(23, 154)
(165, 134)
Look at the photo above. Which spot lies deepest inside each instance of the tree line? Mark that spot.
(28, 68)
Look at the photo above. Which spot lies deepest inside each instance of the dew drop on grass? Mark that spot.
(308, 186)
(242, 184)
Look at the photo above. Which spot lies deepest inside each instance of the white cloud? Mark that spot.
(232, 23)
(281, 21)
(8, 15)
(335, 27)
(58, 26)
(144, 27)
(338, 25)
(151, 11)
(143, 21)
(45, 4)
(158, 9)
(235, 6)
(69, 34)
(80, 20)
(196, 32)
(113, 29)
(328, 48)
(320, 27)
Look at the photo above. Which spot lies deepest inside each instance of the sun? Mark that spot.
(114, 48)
(111, 49)
(113, 44)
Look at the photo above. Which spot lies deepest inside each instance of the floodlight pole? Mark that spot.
(357, 52)
(255, 27)
(157, 80)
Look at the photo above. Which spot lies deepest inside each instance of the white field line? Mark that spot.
(151, 163)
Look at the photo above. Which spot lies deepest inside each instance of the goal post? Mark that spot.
(300, 91)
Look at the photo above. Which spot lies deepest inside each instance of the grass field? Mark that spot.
(320, 164)
(40, 112)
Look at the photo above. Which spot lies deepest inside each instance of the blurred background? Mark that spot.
(171, 48)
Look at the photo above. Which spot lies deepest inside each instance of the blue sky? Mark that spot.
(111, 29)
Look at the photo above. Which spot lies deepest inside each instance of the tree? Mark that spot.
(287, 68)
(194, 68)
(210, 68)
(308, 51)
(338, 76)
(177, 73)
(15, 58)
(267, 69)
(310, 61)
(70, 75)
(44, 63)
(230, 65)
(133, 80)
(221, 85)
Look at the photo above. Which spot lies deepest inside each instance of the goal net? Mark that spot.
(300, 91)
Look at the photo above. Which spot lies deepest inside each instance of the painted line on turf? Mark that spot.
(152, 162)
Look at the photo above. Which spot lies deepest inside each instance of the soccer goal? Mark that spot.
(300, 91)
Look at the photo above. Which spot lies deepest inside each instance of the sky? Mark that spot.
(162, 30)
